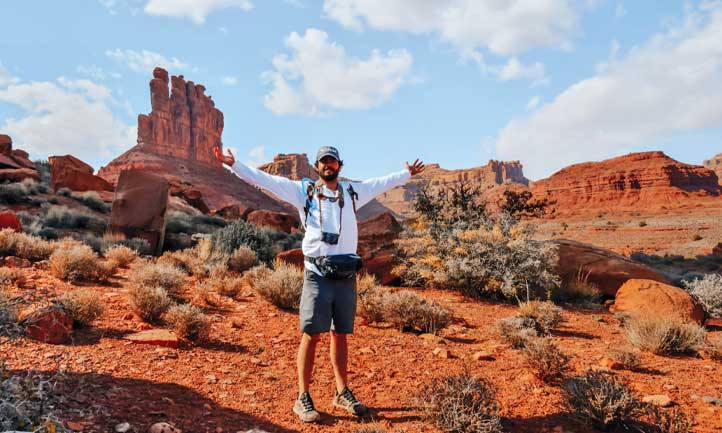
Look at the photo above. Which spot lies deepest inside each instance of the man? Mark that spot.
(328, 300)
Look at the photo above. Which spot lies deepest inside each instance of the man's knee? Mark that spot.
(311, 338)
(338, 335)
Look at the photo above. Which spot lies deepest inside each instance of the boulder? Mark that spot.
(18, 174)
(376, 246)
(652, 298)
(603, 268)
(21, 157)
(50, 325)
(70, 172)
(141, 199)
(6, 144)
(8, 219)
(293, 257)
(154, 337)
(281, 222)
(7, 162)
(380, 265)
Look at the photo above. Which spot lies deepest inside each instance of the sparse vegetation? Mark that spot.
(281, 285)
(92, 200)
(62, 217)
(545, 314)
(520, 204)
(242, 259)
(599, 399)
(708, 292)
(660, 421)
(83, 306)
(223, 283)
(121, 255)
(370, 301)
(149, 302)
(162, 275)
(408, 310)
(578, 290)
(544, 357)
(628, 359)
(240, 233)
(18, 192)
(75, 261)
(515, 331)
(9, 326)
(664, 335)
(11, 276)
(23, 245)
(461, 404)
(188, 321)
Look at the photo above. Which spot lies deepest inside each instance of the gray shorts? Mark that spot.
(327, 304)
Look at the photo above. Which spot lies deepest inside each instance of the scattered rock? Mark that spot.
(483, 355)
(70, 172)
(16, 262)
(163, 427)
(282, 222)
(442, 353)
(50, 325)
(660, 400)
(156, 337)
(293, 257)
(366, 351)
(712, 400)
(211, 378)
(123, 427)
(638, 296)
(8, 219)
(610, 364)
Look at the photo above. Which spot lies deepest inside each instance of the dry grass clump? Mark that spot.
(281, 285)
(11, 276)
(75, 261)
(188, 321)
(664, 335)
(601, 400)
(121, 255)
(223, 283)
(671, 421)
(545, 314)
(370, 303)
(84, 306)
(242, 259)
(408, 310)
(163, 275)
(713, 349)
(23, 245)
(375, 429)
(545, 358)
(515, 331)
(461, 404)
(708, 292)
(149, 302)
(9, 326)
(579, 289)
(627, 359)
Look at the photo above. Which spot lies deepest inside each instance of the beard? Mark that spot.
(329, 177)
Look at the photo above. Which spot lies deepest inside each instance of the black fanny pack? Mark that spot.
(337, 267)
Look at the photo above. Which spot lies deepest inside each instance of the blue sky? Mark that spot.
(458, 82)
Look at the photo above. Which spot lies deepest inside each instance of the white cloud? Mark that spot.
(6, 77)
(256, 156)
(196, 10)
(533, 103)
(502, 27)
(67, 116)
(144, 61)
(514, 70)
(620, 11)
(230, 81)
(319, 76)
(669, 84)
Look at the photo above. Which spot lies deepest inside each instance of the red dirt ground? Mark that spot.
(255, 376)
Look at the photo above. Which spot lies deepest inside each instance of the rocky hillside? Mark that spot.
(715, 164)
(177, 139)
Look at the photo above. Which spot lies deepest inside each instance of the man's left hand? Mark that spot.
(415, 168)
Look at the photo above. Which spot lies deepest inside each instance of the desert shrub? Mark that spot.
(182, 222)
(121, 255)
(23, 245)
(223, 283)
(92, 200)
(370, 298)
(9, 326)
(165, 276)
(240, 233)
(627, 359)
(520, 204)
(664, 335)
(65, 192)
(29, 400)
(461, 404)
(714, 349)
(242, 259)
(600, 399)
(578, 290)
(544, 357)
(18, 192)
(149, 302)
(454, 243)
(515, 331)
(658, 420)
(283, 241)
(188, 321)
(408, 310)
(43, 167)
(11, 276)
(61, 217)
(708, 292)
(84, 306)
(546, 315)
(198, 260)
(367, 429)
(74, 261)
(281, 285)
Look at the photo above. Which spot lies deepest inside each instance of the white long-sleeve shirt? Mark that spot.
(294, 192)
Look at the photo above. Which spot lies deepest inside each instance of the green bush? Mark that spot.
(240, 233)
(92, 200)
(600, 400)
(61, 217)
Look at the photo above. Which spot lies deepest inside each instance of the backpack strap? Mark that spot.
(310, 190)
(354, 196)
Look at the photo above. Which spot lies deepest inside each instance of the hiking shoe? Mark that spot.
(303, 407)
(346, 400)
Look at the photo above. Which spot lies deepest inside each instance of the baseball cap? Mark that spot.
(328, 151)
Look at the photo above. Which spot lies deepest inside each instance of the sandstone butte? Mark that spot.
(715, 164)
(176, 140)
(646, 180)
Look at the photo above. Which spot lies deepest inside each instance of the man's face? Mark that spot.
(328, 168)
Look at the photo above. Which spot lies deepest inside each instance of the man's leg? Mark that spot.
(306, 356)
(339, 359)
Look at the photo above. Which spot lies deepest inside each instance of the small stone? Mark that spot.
(366, 351)
(441, 353)
(122, 427)
(712, 400)
(156, 337)
(670, 387)
(660, 400)
(482, 356)
(211, 378)
(163, 427)
(610, 364)
(236, 323)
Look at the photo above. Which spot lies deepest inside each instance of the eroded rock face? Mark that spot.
(605, 269)
(8, 219)
(715, 164)
(376, 246)
(652, 298)
(281, 222)
(14, 163)
(294, 166)
(70, 172)
(651, 180)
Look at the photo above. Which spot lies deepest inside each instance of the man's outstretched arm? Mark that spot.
(373, 187)
(285, 189)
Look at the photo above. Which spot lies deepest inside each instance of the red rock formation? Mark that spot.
(8, 219)
(70, 172)
(651, 298)
(292, 257)
(649, 180)
(50, 325)
(176, 141)
(376, 246)
(14, 163)
(282, 222)
(294, 166)
(715, 164)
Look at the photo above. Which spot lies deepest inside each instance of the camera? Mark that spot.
(329, 238)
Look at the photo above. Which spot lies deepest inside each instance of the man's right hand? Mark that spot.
(227, 159)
